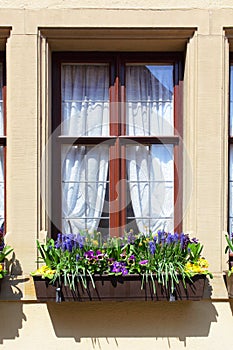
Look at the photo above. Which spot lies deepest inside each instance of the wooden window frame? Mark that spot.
(117, 135)
(3, 138)
(230, 142)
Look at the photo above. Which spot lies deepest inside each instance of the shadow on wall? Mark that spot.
(10, 290)
(11, 285)
(180, 319)
(15, 323)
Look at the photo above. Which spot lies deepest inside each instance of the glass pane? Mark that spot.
(149, 100)
(231, 189)
(1, 102)
(231, 100)
(85, 100)
(84, 186)
(150, 171)
(1, 186)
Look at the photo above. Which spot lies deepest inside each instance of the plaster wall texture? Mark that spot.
(204, 110)
(117, 325)
(206, 81)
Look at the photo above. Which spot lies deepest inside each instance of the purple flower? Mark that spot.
(160, 236)
(89, 254)
(170, 238)
(119, 267)
(184, 240)
(80, 240)
(99, 255)
(131, 257)
(143, 262)
(58, 242)
(152, 247)
(69, 241)
(124, 271)
(131, 237)
(116, 267)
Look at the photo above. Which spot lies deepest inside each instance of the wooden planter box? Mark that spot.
(118, 288)
(2, 263)
(229, 284)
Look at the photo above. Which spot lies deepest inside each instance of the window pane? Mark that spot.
(1, 102)
(151, 186)
(231, 100)
(149, 99)
(1, 186)
(85, 100)
(84, 185)
(231, 189)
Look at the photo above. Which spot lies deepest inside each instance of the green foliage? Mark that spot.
(162, 256)
(229, 248)
(4, 252)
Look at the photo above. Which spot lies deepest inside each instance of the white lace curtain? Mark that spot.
(85, 101)
(151, 168)
(1, 153)
(85, 94)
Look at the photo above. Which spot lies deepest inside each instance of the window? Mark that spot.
(2, 141)
(231, 153)
(117, 153)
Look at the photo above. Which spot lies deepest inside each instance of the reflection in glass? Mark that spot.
(150, 171)
(85, 100)
(84, 184)
(149, 98)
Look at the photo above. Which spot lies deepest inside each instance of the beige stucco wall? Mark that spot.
(117, 326)
(206, 83)
(135, 325)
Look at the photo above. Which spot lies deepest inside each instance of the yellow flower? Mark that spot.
(1, 268)
(95, 242)
(44, 270)
(199, 267)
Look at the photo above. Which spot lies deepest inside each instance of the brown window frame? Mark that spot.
(3, 138)
(230, 142)
(117, 137)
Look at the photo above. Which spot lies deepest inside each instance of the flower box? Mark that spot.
(229, 284)
(118, 288)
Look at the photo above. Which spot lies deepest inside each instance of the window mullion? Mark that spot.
(178, 149)
(3, 142)
(114, 153)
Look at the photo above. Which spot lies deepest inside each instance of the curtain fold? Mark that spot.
(1, 151)
(150, 169)
(84, 169)
(1, 101)
(1, 186)
(149, 100)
